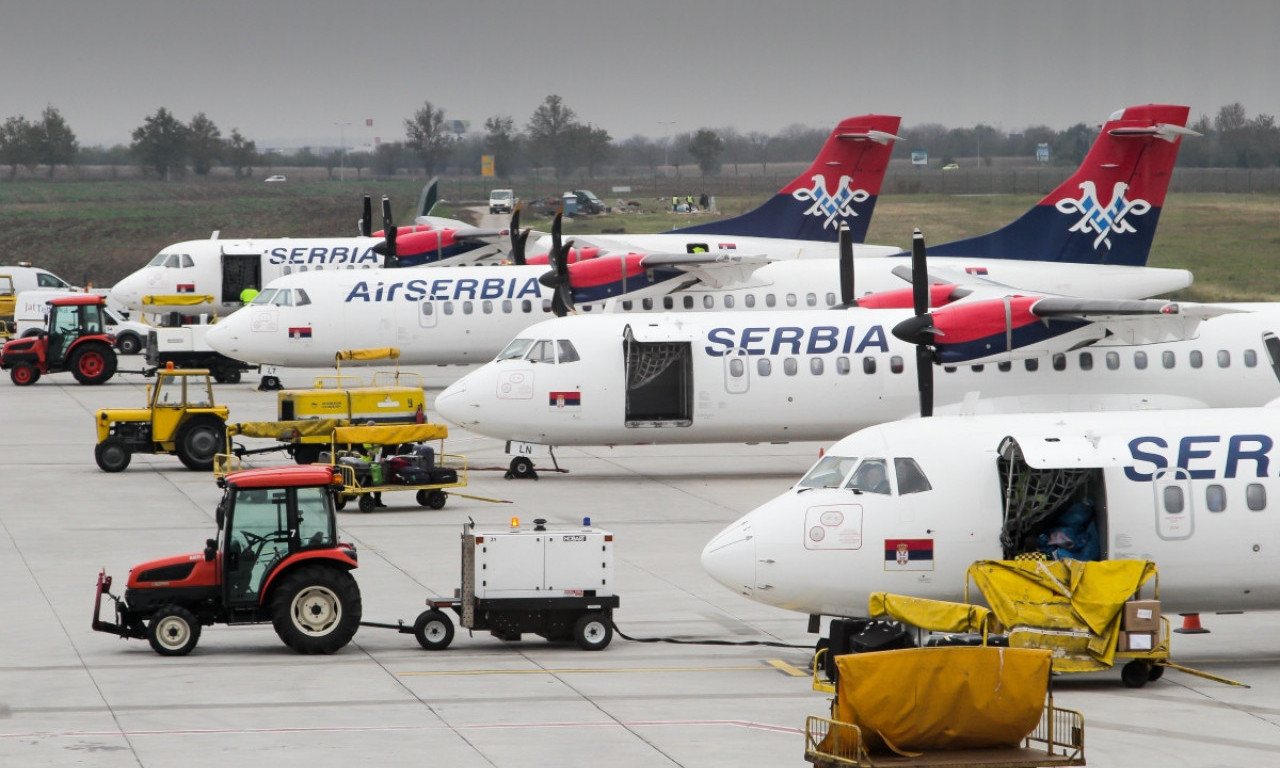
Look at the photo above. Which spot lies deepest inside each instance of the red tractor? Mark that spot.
(74, 341)
(277, 558)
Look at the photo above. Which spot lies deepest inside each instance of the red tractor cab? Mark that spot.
(277, 558)
(74, 340)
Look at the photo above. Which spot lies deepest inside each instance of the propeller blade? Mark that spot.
(924, 380)
(919, 274)
(389, 232)
(366, 221)
(518, 238)
(564, 287)
(847, 296)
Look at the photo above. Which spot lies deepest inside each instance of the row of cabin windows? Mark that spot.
(729, 301)
(1215, 498)
(1168, 360)
(487, 306)
(817, 366)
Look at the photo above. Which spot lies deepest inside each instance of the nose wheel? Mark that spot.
(521, 469)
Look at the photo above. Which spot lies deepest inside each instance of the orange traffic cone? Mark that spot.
(1191, 625)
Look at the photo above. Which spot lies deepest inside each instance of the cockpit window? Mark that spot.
(542, 351)
(911, 478)
(829, 472)
(515, 350)
(872, 477)
(264, 298)
(568, 353)
(301, 297)
(284, 298)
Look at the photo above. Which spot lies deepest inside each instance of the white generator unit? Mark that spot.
(553, 582)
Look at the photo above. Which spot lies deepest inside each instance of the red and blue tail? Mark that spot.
(841, 186)
(1106, 213)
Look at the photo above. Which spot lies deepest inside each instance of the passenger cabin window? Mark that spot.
(831, 299)
(815, 366)
(688, 302)
(1168, 359)
(789, 366)
(1059, 362)
(1250, 358)
(791, 299)
(764, 366)
(1173, 501)
(749, 300)
(811, 299)
(1140, 360)
(1004, 367)
(1196, 358)
(668, 302)
(868, 364)
(1086, 361)
(770, 300)
(1031, 364)
(895, 364)
(842, 365)
(1255, 497)
(1113, 361)
(1215, 498)
(1224, 358)
(829, 472)
(708, 301)
(871, 477)
(911, 478)
(515, 350)
(728, 301)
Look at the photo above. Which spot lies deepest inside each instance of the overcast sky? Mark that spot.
(290, 72)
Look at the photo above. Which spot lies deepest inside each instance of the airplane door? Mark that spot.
(1173, 504)
(240, 271)
(427, 316)
(737, 372)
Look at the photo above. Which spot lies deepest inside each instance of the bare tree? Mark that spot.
(427, 137)
(551, 131)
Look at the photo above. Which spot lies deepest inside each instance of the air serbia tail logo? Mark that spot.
(832, 208)
(1100, 220)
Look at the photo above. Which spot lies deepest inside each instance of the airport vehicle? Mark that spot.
(553, 582)
(178, 341)
(224, 268)
(8, 307)
(1187, 489)
(501, 201)
(588, 203)
(75, 340)
(276, 179)
(385, 459)
(180, 419)
(468, 314)
(276, 558)
(26, 277)
(910, 708)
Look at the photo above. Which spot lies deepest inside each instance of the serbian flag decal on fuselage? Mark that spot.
(565, 399)
(908, 554)
(300, 333)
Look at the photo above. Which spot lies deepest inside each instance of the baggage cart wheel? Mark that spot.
(339, 501)
(434, 630)
(592, 631)
(366, 502)
(435, 499)
(1157, 672)
(1136, 673)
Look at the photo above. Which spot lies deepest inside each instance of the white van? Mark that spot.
(29, 278)
(501, 201)
(29, 316)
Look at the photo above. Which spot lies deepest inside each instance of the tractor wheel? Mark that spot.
(173, 631)
(93, 363)
(23, 374)
(112, 455)
(198, 441)
(128, 344)
(592, 631)
(316, 609)
(433, 629)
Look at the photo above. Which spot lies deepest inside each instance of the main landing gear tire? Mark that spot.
(112, 455)
(199, 441)
(316, 609)
(93, 363)
(173, 631)
(24, 374)
(522, 468)
(433, 629)
(592, 631)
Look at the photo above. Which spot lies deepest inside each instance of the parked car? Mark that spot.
(274, 179)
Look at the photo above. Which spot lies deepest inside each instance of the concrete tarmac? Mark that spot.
(71, 696)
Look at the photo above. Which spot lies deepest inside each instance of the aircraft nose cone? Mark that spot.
(454, 405)
(730, 557)
(222, 338)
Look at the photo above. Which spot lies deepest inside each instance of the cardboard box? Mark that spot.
(1137, 641)
(1141, 616)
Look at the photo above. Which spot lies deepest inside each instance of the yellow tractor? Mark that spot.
(180, 418)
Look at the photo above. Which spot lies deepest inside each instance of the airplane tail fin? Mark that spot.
(1106, 212)
(841, 186)
(427, 200)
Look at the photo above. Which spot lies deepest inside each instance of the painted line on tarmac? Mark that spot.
(770, 667)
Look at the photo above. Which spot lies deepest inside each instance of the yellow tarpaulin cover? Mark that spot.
(377, 353)
(177, 299)
(933, 615)
(958, 697)
(390, 434)
(1070, 607)
(286, 430)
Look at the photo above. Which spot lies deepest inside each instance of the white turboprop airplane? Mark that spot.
(1192, 491)
(467, 314)
(223, 268)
